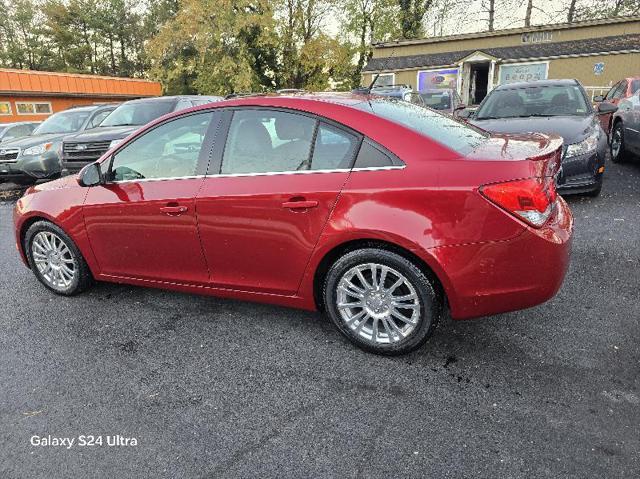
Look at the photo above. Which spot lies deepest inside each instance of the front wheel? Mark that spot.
(381, 301)
(617, 148)
(56, 260)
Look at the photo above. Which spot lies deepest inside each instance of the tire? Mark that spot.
(47, 264)
(369, 326)
(618, 154)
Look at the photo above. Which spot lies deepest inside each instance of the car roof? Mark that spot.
(537, 83)
(16, 123)
(173, 98)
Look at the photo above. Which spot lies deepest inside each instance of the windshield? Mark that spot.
(63, 122)
(552, 100)
(452, 133)
(138, 113)
(438, 100)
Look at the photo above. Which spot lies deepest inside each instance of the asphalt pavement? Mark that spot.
(218, 388)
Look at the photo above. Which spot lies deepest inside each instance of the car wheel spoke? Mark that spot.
(53, 259)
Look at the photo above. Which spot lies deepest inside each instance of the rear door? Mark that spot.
(142, 222)
(268, 194)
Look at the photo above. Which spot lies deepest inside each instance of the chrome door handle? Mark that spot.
(300, 205)
(174, 210)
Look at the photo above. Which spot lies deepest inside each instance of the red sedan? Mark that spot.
(382, 213)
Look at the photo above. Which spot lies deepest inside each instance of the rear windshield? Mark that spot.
(551, 100)
(138, 113)
(456, 135)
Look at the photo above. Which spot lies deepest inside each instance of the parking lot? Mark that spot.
(213, 388)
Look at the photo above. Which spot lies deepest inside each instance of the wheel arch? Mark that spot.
(24, 227)
(339, 250)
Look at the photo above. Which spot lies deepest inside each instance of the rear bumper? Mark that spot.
(497, 277)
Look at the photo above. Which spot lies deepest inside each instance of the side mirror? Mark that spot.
(598, 98)
(606, 107)
(90, 175)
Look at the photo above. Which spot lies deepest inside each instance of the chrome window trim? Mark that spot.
(268, 173)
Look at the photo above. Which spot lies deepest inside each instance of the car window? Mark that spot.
(96, 120)
(63, 122)
(621, 90)
(371, 156)
(438, 100)
(138, 113)
(454, 134)
(549, 100)
(611, 92)
(334, 149)
(170, 150)
(17, 132)
(263, 141)
(183, 104)
(635, 86)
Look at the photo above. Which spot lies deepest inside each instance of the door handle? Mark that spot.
(173, 210)
(300, 204)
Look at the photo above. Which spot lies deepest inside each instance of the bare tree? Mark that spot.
(571, 12)
(527, 15)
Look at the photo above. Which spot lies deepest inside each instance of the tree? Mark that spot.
(412, 14)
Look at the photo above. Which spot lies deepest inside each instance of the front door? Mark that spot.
(260, 214)
(142, 222)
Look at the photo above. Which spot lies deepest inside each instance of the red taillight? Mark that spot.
(532, 199)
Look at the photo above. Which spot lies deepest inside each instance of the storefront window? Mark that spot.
(5, 108)
(33, 108)
(523, 72)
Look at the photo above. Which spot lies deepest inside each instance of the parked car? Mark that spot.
(37, 156)
(623, 89)
(19, 129)
(392, 91)
(625, 136)
(442, 99)
(380, 212)
(555, 107)
(83, 148)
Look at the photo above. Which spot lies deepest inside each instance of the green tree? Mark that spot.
(412, 14)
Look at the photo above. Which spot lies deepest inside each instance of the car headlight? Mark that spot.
(38, 149)
(115, 143)
(587, 145)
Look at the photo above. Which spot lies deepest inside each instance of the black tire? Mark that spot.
(82, 278)
(430, 304)
(622, 156)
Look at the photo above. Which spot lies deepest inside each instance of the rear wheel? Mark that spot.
(381, 301)
(618, 150)
(56, 260)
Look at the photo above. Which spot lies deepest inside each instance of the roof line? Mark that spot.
(74, 75)
(507, 31)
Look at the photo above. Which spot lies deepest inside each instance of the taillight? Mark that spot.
(531, 199)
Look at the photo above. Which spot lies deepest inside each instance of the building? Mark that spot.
(598, 53)
(32, 95)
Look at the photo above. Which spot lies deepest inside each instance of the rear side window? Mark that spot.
(266, 141)
(371, 156)
(334, 149)
(454, 134)
(635, 86)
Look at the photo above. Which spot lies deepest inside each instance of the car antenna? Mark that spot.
(367, 90)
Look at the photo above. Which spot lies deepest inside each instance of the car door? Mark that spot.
(613, 96)
(142, 222)
(268, 195)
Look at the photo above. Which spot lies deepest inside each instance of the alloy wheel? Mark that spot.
(616, 143)
(378, 303)
(54, 260)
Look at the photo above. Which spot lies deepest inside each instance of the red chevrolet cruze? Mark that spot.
(382, 213)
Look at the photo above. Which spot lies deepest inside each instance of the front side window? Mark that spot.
(170, 150)
(621, 90)
(456, 135)
(551, 100)
(265, 141)
(64, 122)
